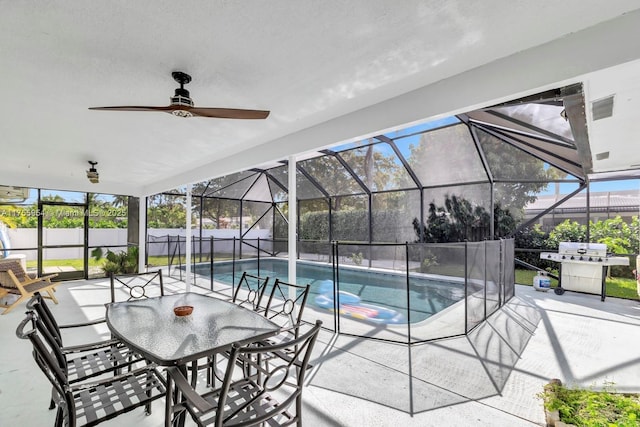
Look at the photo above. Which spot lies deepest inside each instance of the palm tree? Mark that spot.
(119, 200)
(9, 215)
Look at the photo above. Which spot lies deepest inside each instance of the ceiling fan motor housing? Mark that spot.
(92, 173)
(181, 97)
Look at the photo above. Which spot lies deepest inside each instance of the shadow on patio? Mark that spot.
(488, 378)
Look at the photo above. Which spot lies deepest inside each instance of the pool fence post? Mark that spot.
(233, 266)
(180, 256)
(485, 279)
(168, 254)
(146, 252)
(466, 296)
(258, 251)
(501, 289)
(193, 258)
(336, 287)
(211, 261)
(410, 359)
(406, 253)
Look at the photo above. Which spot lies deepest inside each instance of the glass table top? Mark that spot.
(150, 327)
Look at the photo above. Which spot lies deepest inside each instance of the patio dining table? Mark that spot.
(150, 328)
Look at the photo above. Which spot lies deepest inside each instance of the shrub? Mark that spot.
(585, 407)
(353, 226)
(118, 263)
(567, 231)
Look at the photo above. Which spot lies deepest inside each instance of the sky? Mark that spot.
(411, 135)
(630, 184)
(407, 136)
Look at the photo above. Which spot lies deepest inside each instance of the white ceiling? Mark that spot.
(329, 71)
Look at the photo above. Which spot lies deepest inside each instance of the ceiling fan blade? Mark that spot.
(134, 108)
(220, 113)
(228, 113)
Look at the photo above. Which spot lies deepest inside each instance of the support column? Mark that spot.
(142, 231)
(293, 221)
(188, 236)
(588, 210)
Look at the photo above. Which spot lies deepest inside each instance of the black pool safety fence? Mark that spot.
(406, 292)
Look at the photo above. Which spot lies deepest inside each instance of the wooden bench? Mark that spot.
(15, 281)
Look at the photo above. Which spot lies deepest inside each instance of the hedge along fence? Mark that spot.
(621, 238)
(353, 226)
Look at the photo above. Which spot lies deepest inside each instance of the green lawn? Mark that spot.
(620, 287)
(76, 264)
(162, 260)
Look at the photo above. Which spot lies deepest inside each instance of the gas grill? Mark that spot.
(583, 266)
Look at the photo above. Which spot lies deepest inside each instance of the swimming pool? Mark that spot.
(371, 295)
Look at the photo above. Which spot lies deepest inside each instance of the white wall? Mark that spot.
(161, 247)
(218, 234)
(28, 238)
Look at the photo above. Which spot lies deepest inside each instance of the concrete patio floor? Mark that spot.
(488, 378)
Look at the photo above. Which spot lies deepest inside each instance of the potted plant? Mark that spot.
(118, 263)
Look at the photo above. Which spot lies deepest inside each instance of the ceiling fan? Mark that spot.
(182, 105)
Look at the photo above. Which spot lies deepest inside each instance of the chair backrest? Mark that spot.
(88, 403)
(275, 379)
(249, 290)
(15, 267)
(37, 304)
(282, 379)
(129, 287)
(286, 303)
(48, 357)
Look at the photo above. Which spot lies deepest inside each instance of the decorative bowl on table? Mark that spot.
(183, 310)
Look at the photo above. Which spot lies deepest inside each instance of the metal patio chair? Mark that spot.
(105, 356)
(37, 303)
(89, 403)
(248, 400)
(248, 293)
(286, 303)
(84, 361)
(136, 286)
(285, 306)
(249, 290)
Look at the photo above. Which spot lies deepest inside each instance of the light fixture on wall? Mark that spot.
(92, 173)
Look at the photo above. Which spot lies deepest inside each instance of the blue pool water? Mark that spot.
(369, 295)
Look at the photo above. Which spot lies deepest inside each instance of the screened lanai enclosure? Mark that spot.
(404, 236)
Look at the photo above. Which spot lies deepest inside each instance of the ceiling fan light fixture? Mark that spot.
(181, 113)
(92, 173)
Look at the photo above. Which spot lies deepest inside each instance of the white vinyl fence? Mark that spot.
(28, 238)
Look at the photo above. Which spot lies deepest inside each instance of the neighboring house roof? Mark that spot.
(622, 200)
